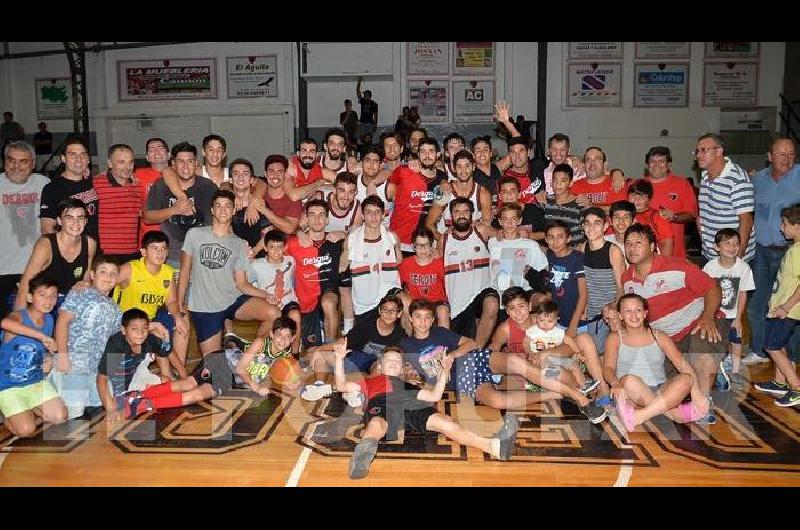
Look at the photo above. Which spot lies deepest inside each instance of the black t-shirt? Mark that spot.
(532, 219)
(364, 336)
(119, 363)
(489, 181)
(368, 108)
(425, 355)
(61, 188)
(250, 233)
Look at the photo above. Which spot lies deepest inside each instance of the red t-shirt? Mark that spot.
(414, 195)
(118, 219)
(674, 290)
(528, 188)
(146, 176)
(300, 178)
(601, 193)
(423, 281)
(676, 194)
(284, 207)
(661, 227)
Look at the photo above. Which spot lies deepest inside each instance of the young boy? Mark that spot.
(621, 214)
(125, 363)
(603, 265)
(24, 359)
(546, 334)
(564, 205)
(511, 255)
(422, 275)
(784, 312)
(639, 193)
(214, 375)
(567, 280)
(735, 278)
(393, 404)
(149, 284)
(86, 320)
(275, 275)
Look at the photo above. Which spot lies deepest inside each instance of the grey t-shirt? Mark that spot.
(159, 197)
(19, 220)
(214, 260)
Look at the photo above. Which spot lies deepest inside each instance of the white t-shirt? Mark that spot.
(276, 279)
(19, 221)
(545, 340)
(731, 282)
(508, 259)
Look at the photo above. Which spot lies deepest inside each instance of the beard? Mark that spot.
(307, 163)
(336, 155)
(462, 224)
(427, 166)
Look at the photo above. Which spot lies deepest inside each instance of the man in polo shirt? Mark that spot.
(776, 187)
(121, 202)
(726, 197)
(673, 196)
(683, 302)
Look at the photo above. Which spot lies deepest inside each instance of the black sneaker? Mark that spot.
(232, 341)
(507, 436)
(594, 413)
(590, 385)
(363, 455)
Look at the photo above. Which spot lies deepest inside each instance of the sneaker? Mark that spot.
(771, 387)
(753, 358)
(722, 381)
(594, 413)
(727, 363)
(532, 387)
(509, 427)
(316, 391)
(603, 401)
(138, 406)
(353, 399)
(233, 341)
(710, 418)
(363, 455)
(625, 414)
(590, 385)
(790, 399)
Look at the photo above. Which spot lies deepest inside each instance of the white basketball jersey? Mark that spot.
(374, 270)
(361, 194)
(446, 221)
(466, 269)
(344, 221)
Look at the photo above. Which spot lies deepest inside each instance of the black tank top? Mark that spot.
(65, 273)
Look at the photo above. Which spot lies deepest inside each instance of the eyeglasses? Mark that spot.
(388, 311)
(704, 150)
(785, 156)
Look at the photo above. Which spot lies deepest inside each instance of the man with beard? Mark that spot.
(393, 145)
(73, 182)
(463, 185)
(526, 171)
(343, 216)
(21, 190)
(414, 193)
(413, 140)
(177, 215)
(466, 267)
(305, 172)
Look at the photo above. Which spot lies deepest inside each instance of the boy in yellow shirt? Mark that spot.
(784, 314)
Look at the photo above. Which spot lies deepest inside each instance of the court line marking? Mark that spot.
(299, 466)
(2, 458)
(624, 476)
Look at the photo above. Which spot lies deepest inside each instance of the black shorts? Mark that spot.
(346, 278)
(214, 370)
(397, 417)
(464, 322)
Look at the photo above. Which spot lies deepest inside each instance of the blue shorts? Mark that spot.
(358, 361)
(733, 336)
(777, 332)
(166, 319)
(206, 325)
(473, 371)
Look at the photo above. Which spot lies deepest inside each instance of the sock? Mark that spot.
(348, 325)
(168, 401)
(159, 390)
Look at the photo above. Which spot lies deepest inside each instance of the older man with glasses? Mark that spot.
(21, 190)
(776, 186)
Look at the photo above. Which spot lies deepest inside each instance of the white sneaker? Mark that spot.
(753, 358)
(353, 399)
(316, 391)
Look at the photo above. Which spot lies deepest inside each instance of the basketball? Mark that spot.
(285, 370)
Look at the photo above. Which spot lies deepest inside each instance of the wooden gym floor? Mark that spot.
(241, 439)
